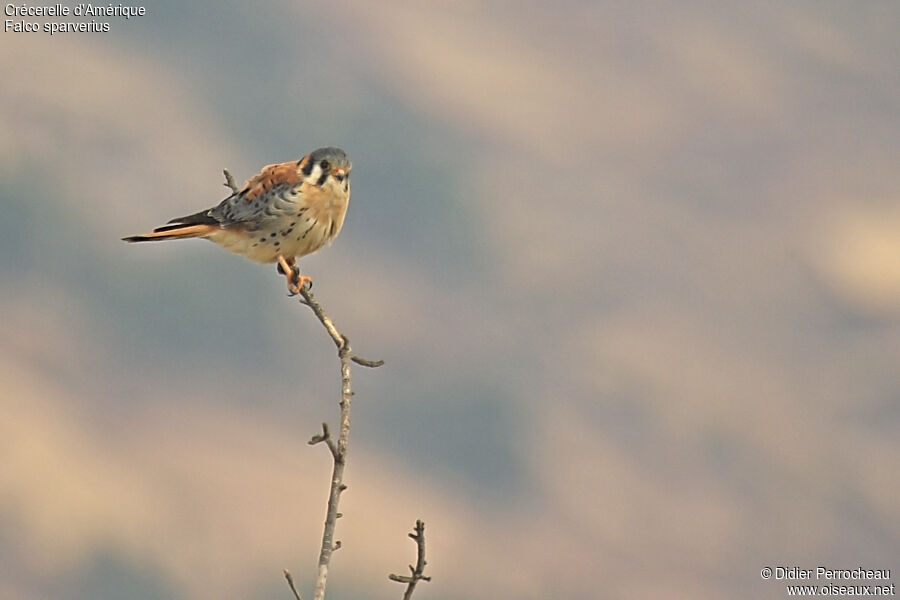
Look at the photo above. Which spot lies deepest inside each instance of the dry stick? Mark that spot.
(338, 449)
(229, 182)
(411, 580)
(290, 580)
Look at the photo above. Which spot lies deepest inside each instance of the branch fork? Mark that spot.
(416, 572)
(325, 437)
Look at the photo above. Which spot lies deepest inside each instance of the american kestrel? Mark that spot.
(283, 212)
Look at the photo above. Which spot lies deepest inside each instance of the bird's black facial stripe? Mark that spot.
(307, 168)
(322, 178)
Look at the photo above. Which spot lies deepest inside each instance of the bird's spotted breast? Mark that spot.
(275, 239)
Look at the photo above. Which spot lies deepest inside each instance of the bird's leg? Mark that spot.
(291, 271)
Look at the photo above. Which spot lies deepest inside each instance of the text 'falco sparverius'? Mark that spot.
(285, 211)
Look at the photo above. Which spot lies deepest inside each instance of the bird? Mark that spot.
(284, 212)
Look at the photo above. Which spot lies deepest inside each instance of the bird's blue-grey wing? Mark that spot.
(273, 193)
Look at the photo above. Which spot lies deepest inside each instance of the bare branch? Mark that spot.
(289, 577)
(229, 182)
(340, 340)
(337, 447)
(366, 362)
(416, 572)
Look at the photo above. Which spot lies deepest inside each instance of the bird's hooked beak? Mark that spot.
(340, 173)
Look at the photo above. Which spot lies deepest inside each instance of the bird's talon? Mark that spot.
(297, 282)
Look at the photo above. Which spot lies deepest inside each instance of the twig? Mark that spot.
(325, 436)
(340, 340)
(411, 580)
(337, 448)
(229, 182)
(290, 580)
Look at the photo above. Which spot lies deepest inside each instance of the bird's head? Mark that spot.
(328, 166)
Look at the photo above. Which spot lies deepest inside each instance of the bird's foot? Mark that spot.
(291, 271)
(296, 281)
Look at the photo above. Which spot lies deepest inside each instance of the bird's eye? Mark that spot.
(325, 165)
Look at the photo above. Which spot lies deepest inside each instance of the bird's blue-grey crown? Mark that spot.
(334, 157)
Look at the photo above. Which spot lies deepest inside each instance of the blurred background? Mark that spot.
(634, 269)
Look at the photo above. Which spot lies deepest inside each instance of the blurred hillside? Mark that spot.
(634, 269)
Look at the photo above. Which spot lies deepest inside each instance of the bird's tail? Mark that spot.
(173, 232)
(198, 224)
